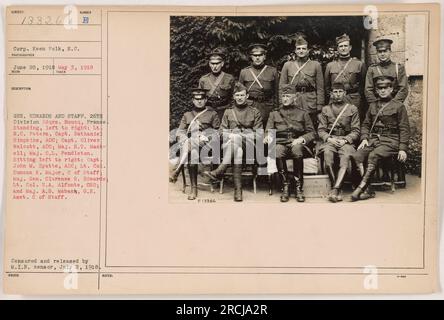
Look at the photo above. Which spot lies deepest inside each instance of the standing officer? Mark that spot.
(294, 131)
(384, 133)
(386, 67)
(339, 128)
(306, 76)
(238, 130)
(218, 83)
(193, 134)
(349, 71)
(261, 81)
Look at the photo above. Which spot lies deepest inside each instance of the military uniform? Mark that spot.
(339, 121)
(264, 91)
(193, 126)
(245, 120)
(242, 121)
(307, 78)
(242, 117)
(261, 83)
(347, 127)
(350, 72)
(390, 133)
(386, 68)
(220, 90)
(387, 131)
(390, 68)
(219, 85)
(291, 122)
(205, 120)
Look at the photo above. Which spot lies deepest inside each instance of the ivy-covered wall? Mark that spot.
(192, 38)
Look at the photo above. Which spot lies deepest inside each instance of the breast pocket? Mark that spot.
(390, 117)
(248, 122)
(279, 124)
(299, 126)
(267, 84)
(205, 122)
(225, 87)
(354, 77)
(346, 122)
(310, 78)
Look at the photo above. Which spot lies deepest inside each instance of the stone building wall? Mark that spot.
(407, 33)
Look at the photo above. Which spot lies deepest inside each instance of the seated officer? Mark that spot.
(385, 132)
(238, 130)
(294, 131)
(194, 133)
(339, 128)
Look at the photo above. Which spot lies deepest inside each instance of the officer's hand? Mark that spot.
(402, 156)
(363, 144)
(341, 142)
(332, 141)
(298, 141)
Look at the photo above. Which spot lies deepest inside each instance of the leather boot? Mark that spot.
(358, 172)
(331, 175)
(285, 185)
(298, 169)
(192, 170)
(335, 194)
(237, 180)
(367, 194)
(364, 183)
(401, 175)
(217, 173)
(175, 174)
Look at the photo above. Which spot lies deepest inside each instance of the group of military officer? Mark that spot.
(293, 103)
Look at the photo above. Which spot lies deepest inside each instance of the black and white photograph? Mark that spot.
(294, 109)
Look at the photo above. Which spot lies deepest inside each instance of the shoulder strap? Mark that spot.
(379, 71)
(256, 78)
(216, 84)
(397, 71)
(337, 118)
(239, 124)
(377, 115)
(195, 118)
(285, 119)
(299, 70)
(343, 69)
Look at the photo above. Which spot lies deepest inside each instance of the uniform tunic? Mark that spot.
(390, 132)
(264, 94)
(206, 120)
(392, 69)
(351, 72)
(347, 127)
(207, 123)
(243, 120)
(220, 97)
(291, 122)
(308, 81)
